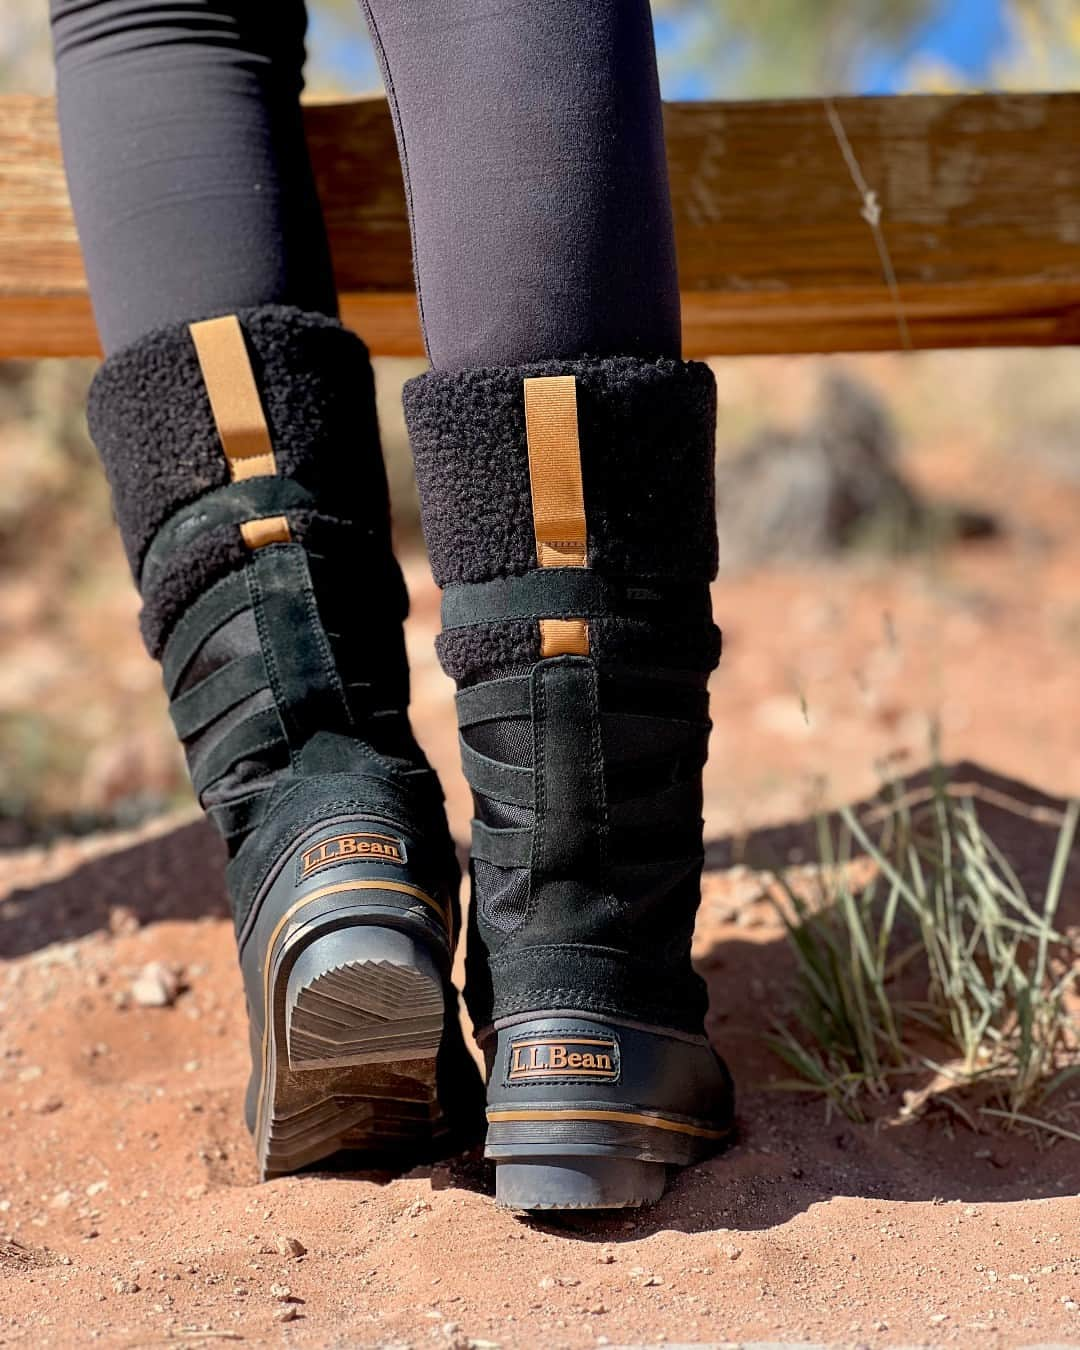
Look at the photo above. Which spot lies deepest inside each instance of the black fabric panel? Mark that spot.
(501, 782)
(646, 430)
(235, 639)
(199, 744)
(224, 689)
(494, 700)
(502, 815)
(510, 740)
(502, 848)
(211, 611)
(247, 740)
(502, 894)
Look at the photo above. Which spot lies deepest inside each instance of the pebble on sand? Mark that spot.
(290, 1246)
(156, 986)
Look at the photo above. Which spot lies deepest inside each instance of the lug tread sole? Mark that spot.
(365, 1012)
(353, 1066)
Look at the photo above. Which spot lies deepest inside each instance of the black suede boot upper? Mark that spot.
(273, 602)
(585, 765)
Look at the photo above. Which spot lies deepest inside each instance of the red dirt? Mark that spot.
(129, 1212)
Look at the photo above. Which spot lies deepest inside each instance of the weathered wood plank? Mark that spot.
(980, 213)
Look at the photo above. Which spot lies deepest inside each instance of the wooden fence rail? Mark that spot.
(976, 201)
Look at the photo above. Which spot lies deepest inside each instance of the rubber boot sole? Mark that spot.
(357, 1017)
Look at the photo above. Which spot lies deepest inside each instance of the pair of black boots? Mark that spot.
(568, 511)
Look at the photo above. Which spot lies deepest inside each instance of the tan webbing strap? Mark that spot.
(266, 530)
(558, 500)
(234, 397)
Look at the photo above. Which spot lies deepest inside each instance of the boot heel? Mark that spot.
(363, 995)
(578, 1183)
(586, 1114)
(358, 1019)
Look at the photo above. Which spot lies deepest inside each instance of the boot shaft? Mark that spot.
(570, 517)
(248, 484)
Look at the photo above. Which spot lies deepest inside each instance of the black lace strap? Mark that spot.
(236, 504)
(576, 593)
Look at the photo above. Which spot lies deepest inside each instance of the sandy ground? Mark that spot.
(129, 1212)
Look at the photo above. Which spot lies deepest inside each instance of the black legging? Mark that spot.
(531, 141)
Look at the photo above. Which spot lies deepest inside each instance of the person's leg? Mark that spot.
(236, 421)
(532, 145)
(565, 461)
(186, 159)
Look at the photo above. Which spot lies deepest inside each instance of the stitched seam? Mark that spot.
(270, 658)
(539, 772)
(322, 642)
(600, 790)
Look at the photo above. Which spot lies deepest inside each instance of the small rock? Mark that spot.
(156, 986)
(288, 1312)
(45, 1106)
(281, 1292)
(731, 1251)
(121, 1286)
(123, 922)
(290, 1246)
(651, 1281)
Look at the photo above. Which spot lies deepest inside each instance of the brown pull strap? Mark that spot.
(234, 397)
(558, 498)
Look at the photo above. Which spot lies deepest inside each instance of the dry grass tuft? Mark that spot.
(940, 973)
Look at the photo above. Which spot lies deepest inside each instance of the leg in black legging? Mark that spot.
(531, 142)
(532, 145)
(186, 159)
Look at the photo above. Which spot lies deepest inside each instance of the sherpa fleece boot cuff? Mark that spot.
(646, 431)
(151, 420)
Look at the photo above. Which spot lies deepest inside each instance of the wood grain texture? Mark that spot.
(980, 214)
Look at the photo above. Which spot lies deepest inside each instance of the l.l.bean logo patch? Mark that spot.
(541, 1058)
(359, 847)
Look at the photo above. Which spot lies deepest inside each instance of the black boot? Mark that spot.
(248, 483)
(569, 513)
